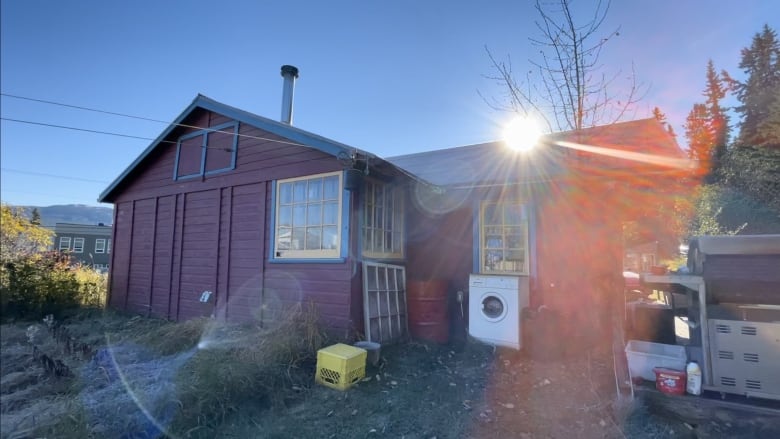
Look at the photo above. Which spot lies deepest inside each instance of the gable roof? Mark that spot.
(287, 131)
(493, 162)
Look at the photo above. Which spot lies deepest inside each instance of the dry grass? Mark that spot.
(149, 376)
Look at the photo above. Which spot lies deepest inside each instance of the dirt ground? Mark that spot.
(418, 390)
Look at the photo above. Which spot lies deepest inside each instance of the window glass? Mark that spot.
(65, 243)
(383, 220)
(207, 151)
(100, 246)
(190, 154)
(78, 245)
(219, 151)
(331, 187)
(308, 217)
(504, 238)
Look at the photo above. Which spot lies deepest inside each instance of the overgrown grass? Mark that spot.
(184, 379)
(247, 365)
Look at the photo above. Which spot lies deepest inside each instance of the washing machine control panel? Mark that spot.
(502, 282)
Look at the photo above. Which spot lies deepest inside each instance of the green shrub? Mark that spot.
(33, 286)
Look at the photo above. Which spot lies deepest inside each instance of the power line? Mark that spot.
(87, 130)
(78, 107)
(43, 174)
(113, 113)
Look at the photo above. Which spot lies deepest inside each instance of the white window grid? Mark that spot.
(64, 243)
(100, 246)
(78, 245)
(383, 221)
(308, 217)
(503, 238)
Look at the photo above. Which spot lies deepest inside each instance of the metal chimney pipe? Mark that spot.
(289, 73)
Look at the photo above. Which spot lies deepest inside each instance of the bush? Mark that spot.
(35, 285)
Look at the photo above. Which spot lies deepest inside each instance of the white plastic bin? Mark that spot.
(643, 356)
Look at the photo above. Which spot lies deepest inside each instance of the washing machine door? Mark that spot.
(494, 308)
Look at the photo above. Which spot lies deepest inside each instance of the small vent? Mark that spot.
(723, 329)
(726, 381)
(726, 355)
(752, 358)
(753, 384)
(749, 330)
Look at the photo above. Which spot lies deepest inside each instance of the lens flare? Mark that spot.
(522, 133)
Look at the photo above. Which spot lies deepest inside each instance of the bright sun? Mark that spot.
(522, 133)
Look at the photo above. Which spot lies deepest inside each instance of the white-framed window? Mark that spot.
(78, 245)
(100, 246)
(64, 243)
(308, 217)
(503, 238)
(108, 246)
(383, 220)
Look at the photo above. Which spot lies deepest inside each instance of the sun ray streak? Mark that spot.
(671, 162)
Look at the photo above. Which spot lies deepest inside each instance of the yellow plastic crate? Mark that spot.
(339, 366)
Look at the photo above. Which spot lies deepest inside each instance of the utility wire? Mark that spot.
(43, 174)
(149, 119)
(29, 122)
(78, 107)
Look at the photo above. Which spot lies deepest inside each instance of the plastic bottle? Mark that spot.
(694, 378)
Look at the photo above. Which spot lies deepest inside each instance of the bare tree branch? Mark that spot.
(572, 91)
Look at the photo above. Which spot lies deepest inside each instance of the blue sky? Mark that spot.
(390, 77)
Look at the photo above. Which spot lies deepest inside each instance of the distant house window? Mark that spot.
(308, 217)
(64, 243)
(100, 246)
(503, 238)
(207, 151)
(78, 245)
(100, 267)
(108, 246)
(383, 221)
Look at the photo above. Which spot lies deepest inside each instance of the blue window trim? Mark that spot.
(477, 210)
(204, 150)
(343, 251)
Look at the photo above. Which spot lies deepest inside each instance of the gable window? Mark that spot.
(64, 243)
(207, 151)
(78, 245)
(100, 246)
(383, 221)
(503, 238)
(308, 217)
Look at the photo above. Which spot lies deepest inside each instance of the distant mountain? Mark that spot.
(72, 213)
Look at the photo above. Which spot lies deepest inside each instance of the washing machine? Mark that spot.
(495, 304)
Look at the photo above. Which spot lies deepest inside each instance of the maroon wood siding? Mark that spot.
(163, 252)
(141, 250)
(120, 266)
(175, 239)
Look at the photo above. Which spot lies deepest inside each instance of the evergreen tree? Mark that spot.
(768, 129)
(717, 119)
(661, 117)
(707, 127)
(700, 138)
(761, 64)
(35, 217)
